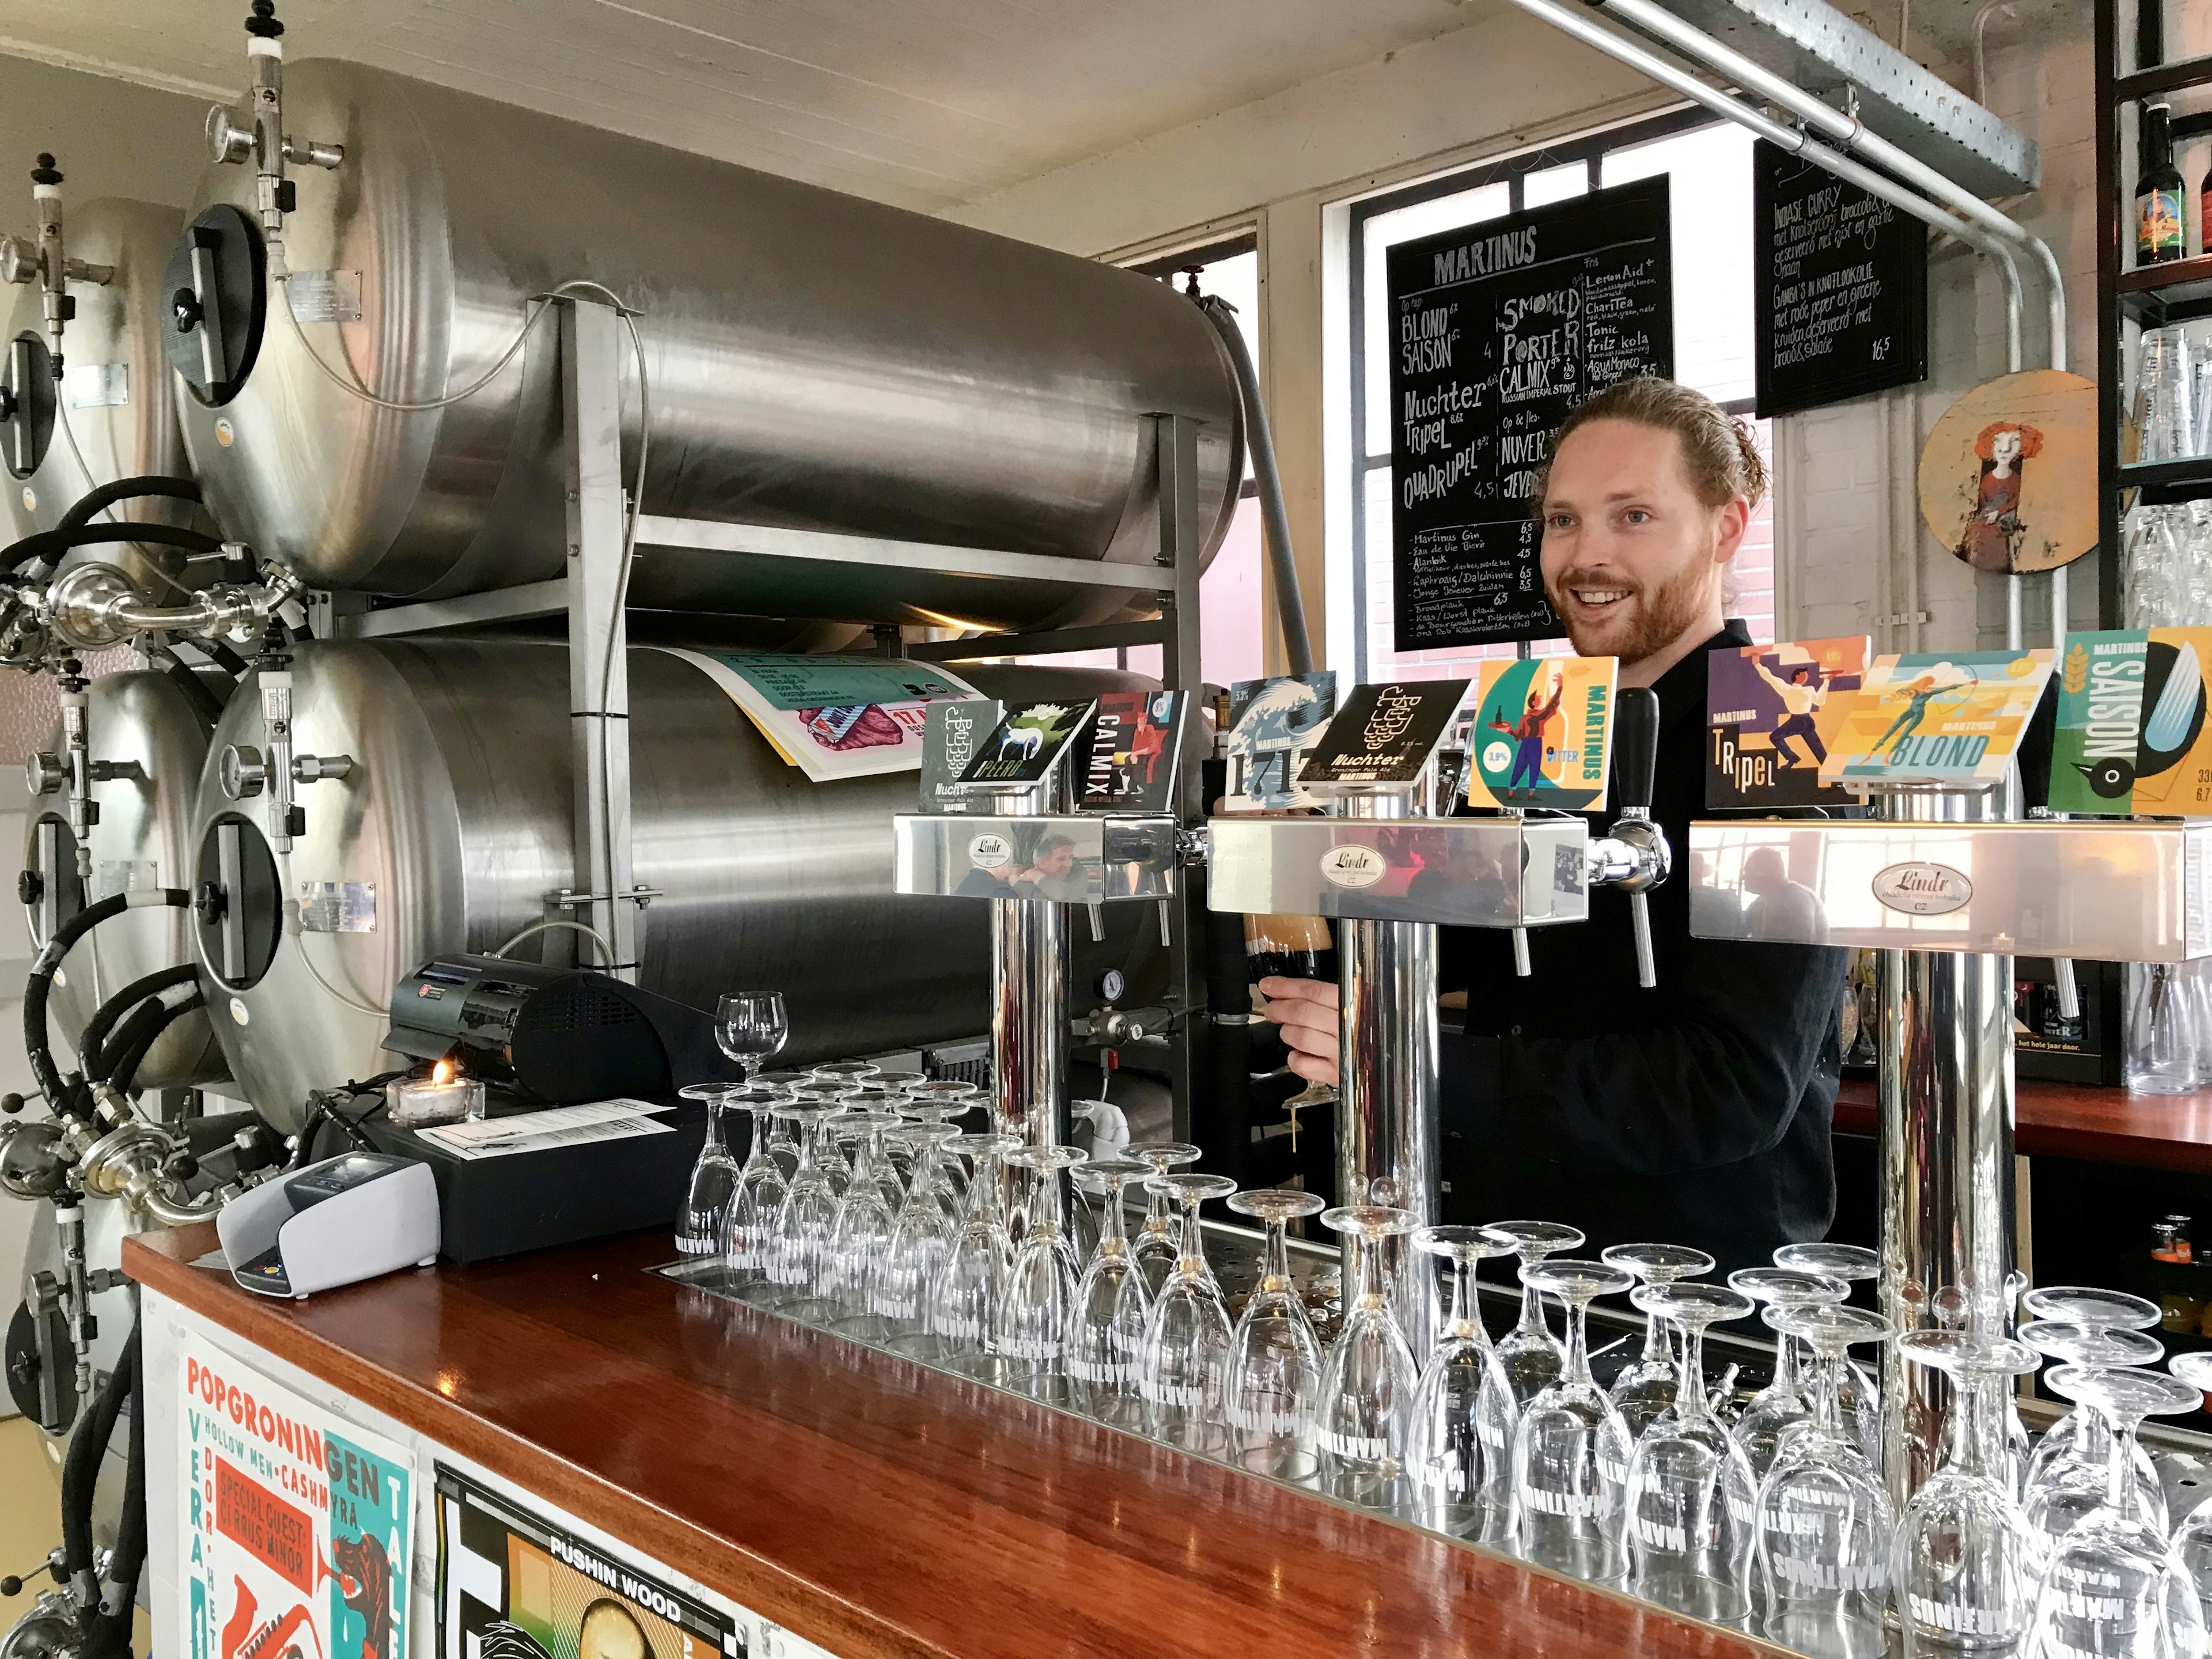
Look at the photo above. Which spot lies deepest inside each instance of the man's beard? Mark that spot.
(1661, 615)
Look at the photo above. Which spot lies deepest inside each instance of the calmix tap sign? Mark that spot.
(297, 1530)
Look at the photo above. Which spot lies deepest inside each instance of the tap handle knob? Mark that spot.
(1635, 747)
(1639, 913)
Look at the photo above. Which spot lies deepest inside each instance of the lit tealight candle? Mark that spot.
(440, 1098)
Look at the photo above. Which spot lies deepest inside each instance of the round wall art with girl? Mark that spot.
(2008, 476)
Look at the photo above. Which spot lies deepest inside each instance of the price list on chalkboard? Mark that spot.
(1498, 330)
(1840, 285)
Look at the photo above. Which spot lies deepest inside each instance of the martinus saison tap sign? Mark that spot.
(2131, 735)
(1542, 733)
(1937, 718)
(1497, 330)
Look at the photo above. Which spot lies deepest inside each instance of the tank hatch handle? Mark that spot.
(198, 309)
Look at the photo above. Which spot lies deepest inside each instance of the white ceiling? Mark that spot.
(920, 102)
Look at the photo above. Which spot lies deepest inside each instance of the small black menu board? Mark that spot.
(1022, 747)
(1840, 287)
(1497, 330)
(1382, 734)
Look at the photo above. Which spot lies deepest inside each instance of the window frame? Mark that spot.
(1589, 149)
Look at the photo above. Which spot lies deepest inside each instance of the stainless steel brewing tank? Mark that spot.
(116, 416)
(454, 826)
(143, 839)
(816, 359)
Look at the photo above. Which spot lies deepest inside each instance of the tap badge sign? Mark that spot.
(2130, 733)
(1937, 718)
(1542, 733)
(1773, 712)
(297, 1533)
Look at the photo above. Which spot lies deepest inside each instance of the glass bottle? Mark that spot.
(2161, 233)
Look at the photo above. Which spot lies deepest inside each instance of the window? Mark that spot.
(1710, 162)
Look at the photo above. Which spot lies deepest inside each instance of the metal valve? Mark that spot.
(259, 137)
(227, 141)
(18, 259)
(243, 773)
(111, 771)
(314, 768)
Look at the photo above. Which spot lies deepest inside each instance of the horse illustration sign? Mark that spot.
(298, 1526)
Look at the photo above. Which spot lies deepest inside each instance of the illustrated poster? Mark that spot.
(833, 717)
(1773, 712)
(2009, 475)
(297, 1534)
(513, 1585)
(1543, 734)
(1135, 745)
(1938, 718)
(1272, 725)
(1384, 733)
(2131, 735)
(1023, 747)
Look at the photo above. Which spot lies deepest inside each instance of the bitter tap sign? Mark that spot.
(297, 1532)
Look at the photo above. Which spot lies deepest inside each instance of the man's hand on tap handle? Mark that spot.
(1306, 1011)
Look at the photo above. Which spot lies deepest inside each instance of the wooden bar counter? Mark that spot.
(2073, 1120)
(877, 1508)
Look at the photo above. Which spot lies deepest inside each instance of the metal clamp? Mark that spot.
(569, 899)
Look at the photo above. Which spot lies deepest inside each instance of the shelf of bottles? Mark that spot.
(865, 1208)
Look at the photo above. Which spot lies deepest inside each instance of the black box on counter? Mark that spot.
(2047, 1047)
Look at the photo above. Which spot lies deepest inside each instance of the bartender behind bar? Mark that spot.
(1698, 1112)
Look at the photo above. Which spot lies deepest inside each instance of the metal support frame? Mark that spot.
(1182, 546)
(598, 631)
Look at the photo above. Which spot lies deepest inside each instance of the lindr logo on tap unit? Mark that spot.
(1353, 866)
(1922, 890)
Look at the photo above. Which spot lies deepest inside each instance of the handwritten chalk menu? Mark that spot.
(1840, 285)
(1497, 330)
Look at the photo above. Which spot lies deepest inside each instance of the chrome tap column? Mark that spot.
(1029, 1006)
(1947, 1158)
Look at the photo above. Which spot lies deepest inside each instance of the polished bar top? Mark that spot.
(2072, 1120)
(878, 1508)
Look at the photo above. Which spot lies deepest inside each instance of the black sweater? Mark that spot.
(1696, 1113)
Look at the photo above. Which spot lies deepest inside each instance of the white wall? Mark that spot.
(1851, 550)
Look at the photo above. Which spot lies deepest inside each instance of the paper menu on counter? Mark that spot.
(2130, 735)
(1273, 723)
(1773, 712)
(556, 1126)
(832, 717)
(1937, 717)
(1542, 734)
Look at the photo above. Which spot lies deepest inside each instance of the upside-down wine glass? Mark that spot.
(753, 1211)
(1860, 1399)
(1780, 1409)
(963, 1302)
(847, 1070)
(782, 1137)
(2090, 1309)
(921, 1240)
(806, 1223)
(2111, 1588)
(1112, 1306)
(1459, 1447)
(2063, 1490)
(1533, 1357)
(860, 1243)
(1824, 1521)
(939, 1100)
(1645, 1386)
(750, 1026)
(1691, 1499)
(1272, 1386)
(1157, 1244)
(1570, 1450)
(1369, 1380)
(2190, 1550)
(1035, 1314)
(1964, 1561)
(713, 1187)
(1178, 1370)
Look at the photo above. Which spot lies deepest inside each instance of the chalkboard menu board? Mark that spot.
(1497, 330)
(1840, 289)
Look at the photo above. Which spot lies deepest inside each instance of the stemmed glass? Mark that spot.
(2063, 1490)
(2190, 1550)
(963, 1302)
(1532, 1358)
(753, 1214)
(1571, 1449)
(939, 1101)
(921, 1240)
(750, 1026)
(1825, 1520)
(1273, 1377)
(2110, 1587)
(1031, 1323)
(1178, 1370)
(1112, 1307)
(1779, 1409)
(1368, 1384)
(1459, 1450)
(872, 1158)
(1691, 1495)
(704, 1220)
(1861, 1399)
(1965, 1559)
(782, 1141)
(1645, 1387)
(847, 1070)
(859, 1243)
(2090, 1309)
(806, 1224)
(1156, 1246)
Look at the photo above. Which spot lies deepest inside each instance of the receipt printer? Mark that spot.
(347, 1218)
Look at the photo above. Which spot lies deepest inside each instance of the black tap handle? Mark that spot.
(1635, 748)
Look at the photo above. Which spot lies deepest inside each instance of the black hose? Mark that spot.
(197, 692)
(111, 1629)
(125, 1072)
(106, 495)
(103, 1019)
(50, 545)
(38, 1041)
(222, 657)
(81, 1468)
